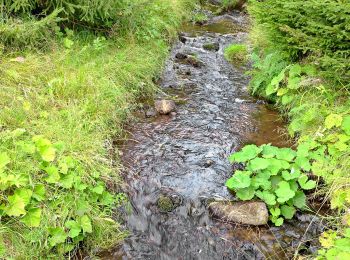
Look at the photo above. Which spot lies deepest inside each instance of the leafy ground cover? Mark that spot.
(276, 176)
(301, 66)
(66, 87)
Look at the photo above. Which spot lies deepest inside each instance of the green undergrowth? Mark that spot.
(277, 176)
(300, 66)
(62, 100)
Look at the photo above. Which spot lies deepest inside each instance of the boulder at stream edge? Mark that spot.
(247, 213)
(164, 106)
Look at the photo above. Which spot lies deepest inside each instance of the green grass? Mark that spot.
(77, 95)
(236, 53)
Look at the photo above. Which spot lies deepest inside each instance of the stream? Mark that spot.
(183, 157)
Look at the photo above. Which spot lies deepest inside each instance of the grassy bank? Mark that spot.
(65, 91)
(301, 57)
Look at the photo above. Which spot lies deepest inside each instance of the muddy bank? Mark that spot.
(183, 157)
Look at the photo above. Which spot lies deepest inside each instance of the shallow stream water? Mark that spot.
(184, 156)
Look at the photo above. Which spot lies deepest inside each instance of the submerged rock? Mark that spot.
(182, 38)
(249, 213)
(165, 106)
(189, 59)
(211, 46)
(165, 204)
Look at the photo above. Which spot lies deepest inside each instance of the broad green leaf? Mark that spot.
(39, 192)
(275, 180)
(4, 159)
(258, 164)
(286, 99)
(282, 91)
(247, 153)
(57, 236)
(67, 43)
(343, 244)
(305, 184)
(262, 179)
(275, 212)
(85, 224)
(288, 211)
(303, 163)
(295, 70)
(241, 179)
(293, 83)
(107, 198)
(347, 232)
(245, 193)
(299, 200)
(100, 188)
(74, 228)
(284, 192)
(286, 154)
(278, 222)
(82, 206)
(267, 197)
(67, 181)
(32, 218)
(53, 174)
(270, 89)
(47, 153)
(290, 175)
(303, 149)
(333, 120)
(346, 125)
(63, 166)
(16, 206)
(293, 185)
(277, 80)
(276, 165)
(25, 194)
(269, 151)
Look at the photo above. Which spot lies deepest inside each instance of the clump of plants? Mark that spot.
(45, 196)
(236, 53)
(200, 18)
(277, 176)
(335, 245)
(287, 27)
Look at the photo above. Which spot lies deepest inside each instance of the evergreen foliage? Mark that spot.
(95, 12)
(315, 30)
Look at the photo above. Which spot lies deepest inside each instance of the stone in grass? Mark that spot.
(165, 204)
(165, 106)
(248, 213)
(211, 46)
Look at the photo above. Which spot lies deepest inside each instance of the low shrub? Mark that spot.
(316, 31)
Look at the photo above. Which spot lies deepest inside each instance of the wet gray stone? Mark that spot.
(164, 106)
(248, 213)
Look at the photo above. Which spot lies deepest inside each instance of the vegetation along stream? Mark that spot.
(176, 164)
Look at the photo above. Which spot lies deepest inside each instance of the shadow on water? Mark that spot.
(182, 157)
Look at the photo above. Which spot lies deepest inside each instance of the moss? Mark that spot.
(211, 46)
(236, 53)
(165, 204)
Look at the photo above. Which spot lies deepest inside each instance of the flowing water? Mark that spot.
(183, 156)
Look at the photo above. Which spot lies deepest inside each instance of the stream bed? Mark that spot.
(183, 157)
